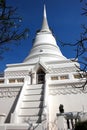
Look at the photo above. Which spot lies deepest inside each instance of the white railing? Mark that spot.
(69, 119)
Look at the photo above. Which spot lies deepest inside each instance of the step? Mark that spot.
(32, 92)
(32, 98)
(31, 111)
(32, 104)
(34, 86)
(32, 119)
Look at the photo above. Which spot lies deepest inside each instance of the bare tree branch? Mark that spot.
(10, 25)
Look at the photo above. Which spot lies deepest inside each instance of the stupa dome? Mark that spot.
(45, 46)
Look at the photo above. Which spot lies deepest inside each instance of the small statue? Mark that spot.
(61, 109)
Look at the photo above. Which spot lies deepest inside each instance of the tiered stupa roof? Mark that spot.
(45, 47)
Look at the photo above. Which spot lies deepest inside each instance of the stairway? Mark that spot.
(32, 104)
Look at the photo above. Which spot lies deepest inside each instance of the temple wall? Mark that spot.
(8, 100)
(71, 102)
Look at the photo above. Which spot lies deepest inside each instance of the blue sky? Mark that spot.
(64, 17)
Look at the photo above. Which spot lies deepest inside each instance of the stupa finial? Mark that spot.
(45, 26)
(45, 11)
